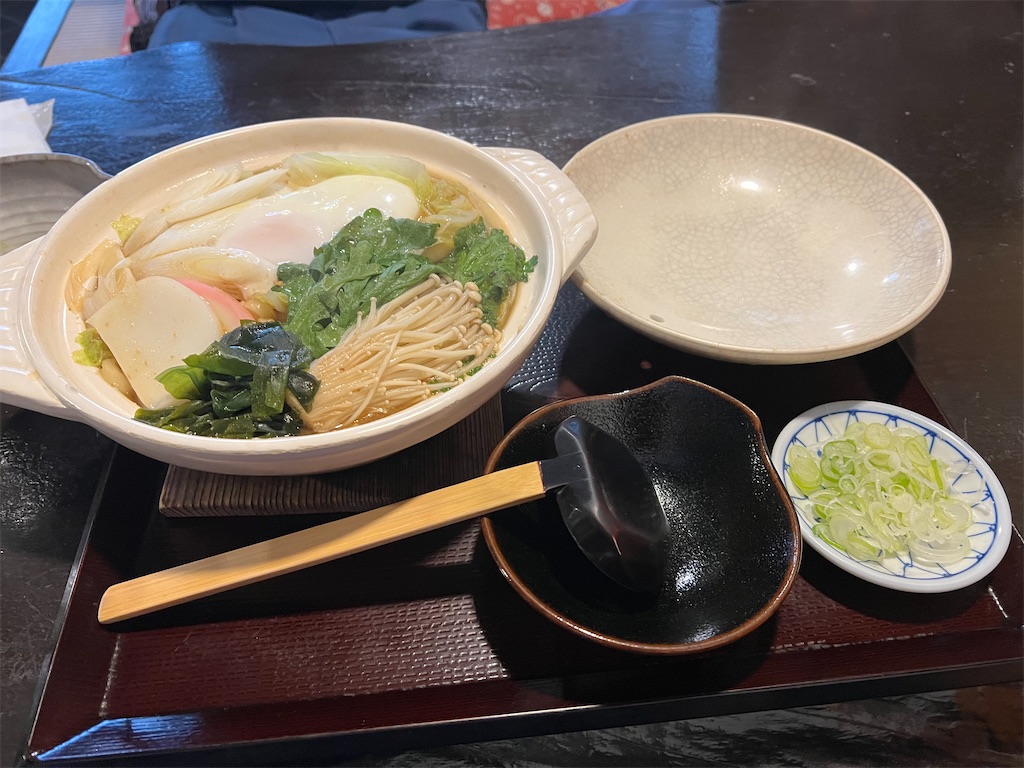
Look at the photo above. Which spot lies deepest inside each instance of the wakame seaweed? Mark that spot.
(237, 387)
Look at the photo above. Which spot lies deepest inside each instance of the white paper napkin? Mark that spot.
(24, 126)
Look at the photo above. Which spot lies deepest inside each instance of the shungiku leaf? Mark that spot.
(372, 257)
(491, 261)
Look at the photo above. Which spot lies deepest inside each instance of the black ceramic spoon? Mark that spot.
(606, 497)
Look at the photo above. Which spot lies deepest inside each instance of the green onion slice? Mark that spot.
(877, 492)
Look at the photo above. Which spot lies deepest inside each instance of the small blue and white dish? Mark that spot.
(976, 484)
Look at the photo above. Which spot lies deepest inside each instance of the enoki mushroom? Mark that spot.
(424, 341)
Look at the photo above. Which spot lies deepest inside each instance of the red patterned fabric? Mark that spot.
(513, 13)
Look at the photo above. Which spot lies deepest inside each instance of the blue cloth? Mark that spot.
(325, 24)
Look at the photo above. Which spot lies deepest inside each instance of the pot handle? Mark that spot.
(19, 382)
(566, 204)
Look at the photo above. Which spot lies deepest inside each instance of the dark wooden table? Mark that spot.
(932, 87)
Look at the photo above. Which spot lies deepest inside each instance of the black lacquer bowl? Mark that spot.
(734, 548)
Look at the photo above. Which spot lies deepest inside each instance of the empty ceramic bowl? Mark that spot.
(969, 478)
(734, 542)
(36, 190)
(755, 240)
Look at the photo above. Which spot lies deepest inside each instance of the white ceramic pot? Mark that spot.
(541, 208)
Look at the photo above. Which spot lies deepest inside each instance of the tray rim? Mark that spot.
(542, 722)
(999, 663)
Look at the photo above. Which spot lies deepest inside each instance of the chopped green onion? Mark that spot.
(877, 492)
(803, 468)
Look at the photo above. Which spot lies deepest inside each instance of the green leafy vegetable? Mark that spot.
(371, 257)
(381, 258)
(185, 382)
(238, 386)
(491, 261)
(198, 418)
(91, 349)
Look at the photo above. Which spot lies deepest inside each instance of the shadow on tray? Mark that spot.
(540, 654)
(603, 356)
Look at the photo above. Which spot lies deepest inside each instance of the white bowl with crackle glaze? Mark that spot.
(755, 240)
(540, 207)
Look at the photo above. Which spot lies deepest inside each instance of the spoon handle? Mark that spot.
(321, 543)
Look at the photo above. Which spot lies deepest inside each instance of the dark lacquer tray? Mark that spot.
(422, 642)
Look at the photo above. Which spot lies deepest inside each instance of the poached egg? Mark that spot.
(286, 227)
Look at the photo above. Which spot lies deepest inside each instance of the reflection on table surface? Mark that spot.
(934, 88)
